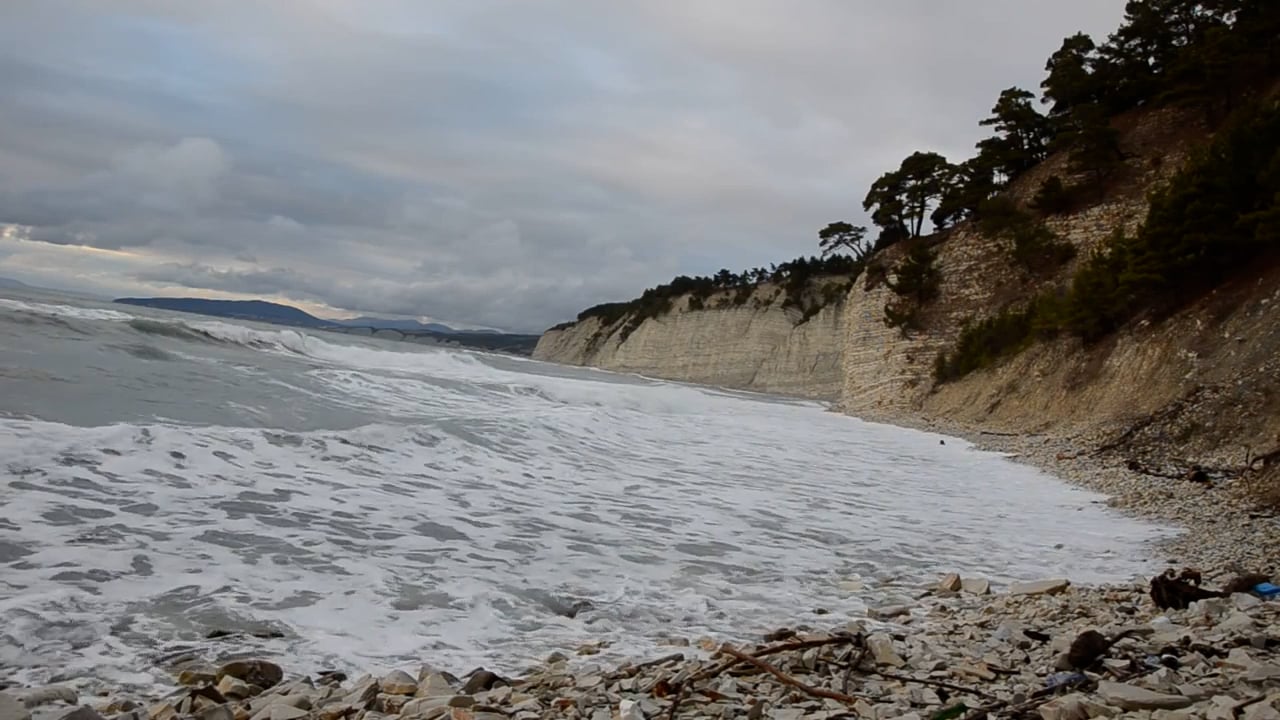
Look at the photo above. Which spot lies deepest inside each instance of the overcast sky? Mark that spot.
(486, 162)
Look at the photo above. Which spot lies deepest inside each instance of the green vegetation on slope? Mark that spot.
(794, 277)
(1215, 219)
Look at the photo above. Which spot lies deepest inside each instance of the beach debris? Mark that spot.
(1170, 591)
(963, 657)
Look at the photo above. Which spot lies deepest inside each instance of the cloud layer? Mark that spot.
(494, 162)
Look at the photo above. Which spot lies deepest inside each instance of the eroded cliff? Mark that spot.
(759, 345)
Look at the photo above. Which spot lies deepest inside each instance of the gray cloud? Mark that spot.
(492, 162)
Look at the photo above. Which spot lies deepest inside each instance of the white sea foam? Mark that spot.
(70, 311)
(452, 535)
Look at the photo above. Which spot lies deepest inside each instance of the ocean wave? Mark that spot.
(69, 311)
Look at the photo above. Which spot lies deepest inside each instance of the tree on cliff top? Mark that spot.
(841, 235)
(1023, 134)
(902, 199)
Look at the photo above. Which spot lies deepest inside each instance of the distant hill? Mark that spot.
(393, 324)
(258, 310)
(11, 284)
(407, 330)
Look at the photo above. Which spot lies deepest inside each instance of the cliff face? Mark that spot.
(759, 345)
(1200, 382)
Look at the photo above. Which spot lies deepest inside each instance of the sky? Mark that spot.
(490, 163)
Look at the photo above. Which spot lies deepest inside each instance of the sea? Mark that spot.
(343, 503)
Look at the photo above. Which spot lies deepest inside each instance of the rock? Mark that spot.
(435, 685)
(1262, 672)
(262, 673)
(1221, 708)
(13, 709)
(280, 711)
(422, 707)
(398, 682)
(1260, 711)
(976, 586)
(1245, 601)
(852, 586)
(234, 688)
(37, 696)
(1040, 587)
(162, 711)
(198, 675)
(950, 582)
(629, 710)
(881, 646)
(216, 712)
(1193, 691)
(482, 680)
(888, 612)
(1067, 707)
(1131, 697)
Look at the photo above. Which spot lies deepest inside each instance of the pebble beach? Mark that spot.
(962, 648)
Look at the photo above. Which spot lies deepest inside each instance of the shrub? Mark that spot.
(1053, 197)
(915, 281)
(1039, 250)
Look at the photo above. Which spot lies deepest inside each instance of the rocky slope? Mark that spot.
(757, 345)
(1192, 387)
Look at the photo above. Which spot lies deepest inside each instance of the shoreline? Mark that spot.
(955, 645)
(1220, 530)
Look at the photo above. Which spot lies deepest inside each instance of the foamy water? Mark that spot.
(384, 505)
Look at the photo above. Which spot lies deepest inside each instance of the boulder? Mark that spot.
(434, 685)
(482, 680)
(398, 682)
(12, 709)
(262, 673)
(37, 696)
(1040, 587)
(976, 586)
(950, 582)
(888, 612)
(1067, 707)
(881, 646)
(234, 688)
(1131, 697)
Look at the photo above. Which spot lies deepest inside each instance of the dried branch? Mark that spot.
(682, 688)
(857, 662)
(787, 679)
(926, 681)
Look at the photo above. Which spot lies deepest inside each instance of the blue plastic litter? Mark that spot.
(1266, 590)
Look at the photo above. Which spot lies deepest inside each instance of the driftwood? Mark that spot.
(1177, 592)
(681, 690)
(787, 679)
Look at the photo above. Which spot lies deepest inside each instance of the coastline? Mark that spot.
(1221, 531)
(997, 655)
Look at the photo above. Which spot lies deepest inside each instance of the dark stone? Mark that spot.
(780, 634)
(482, 680)
(255, 672)
(84, 712)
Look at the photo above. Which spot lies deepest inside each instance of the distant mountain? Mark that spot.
(392, 324)
(11, 284)
(408, 330)
(259, 310)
